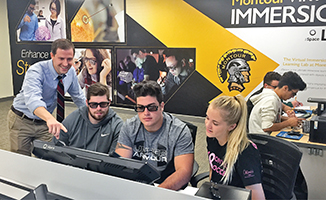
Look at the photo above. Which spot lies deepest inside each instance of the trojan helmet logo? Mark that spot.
(235, 63)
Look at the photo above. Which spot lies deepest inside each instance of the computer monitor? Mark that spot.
(321, 109)
(130, 169)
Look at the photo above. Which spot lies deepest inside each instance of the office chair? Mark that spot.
(193, 131)
(280, 160)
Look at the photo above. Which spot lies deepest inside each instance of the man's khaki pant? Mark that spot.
(24, 131)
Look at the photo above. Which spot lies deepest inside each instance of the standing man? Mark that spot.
(266, 114)
(30, 116)
(93, 127)
(29, 24)
(158, 138)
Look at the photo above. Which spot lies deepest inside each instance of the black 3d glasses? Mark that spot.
(101, 104)
(149, 107)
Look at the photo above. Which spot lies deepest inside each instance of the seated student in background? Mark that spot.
(93, 127)
(271, 80)
(158, 138)
(266, 115)
(233, 158)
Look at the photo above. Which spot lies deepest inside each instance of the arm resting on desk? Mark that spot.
(181, 176)
(123, 150)
(257, 191)
(291, 121)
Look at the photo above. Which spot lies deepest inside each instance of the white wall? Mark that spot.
(6, 84)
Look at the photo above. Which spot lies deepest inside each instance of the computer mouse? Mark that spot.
(307, 115)
(292, 132)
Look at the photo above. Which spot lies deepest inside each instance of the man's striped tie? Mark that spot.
(60, 100)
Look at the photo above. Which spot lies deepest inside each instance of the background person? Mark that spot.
(131, 66)
(124, 78)
(271, 80)
(54, 23)
(149, 64)
(30, 116)
(40, 15)
(266, 115)
(178, 72)
(95, 126)
(97, 68)
(158, 138)
(234, 160)
(29, 24)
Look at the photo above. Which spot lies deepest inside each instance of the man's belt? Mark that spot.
(22, 115)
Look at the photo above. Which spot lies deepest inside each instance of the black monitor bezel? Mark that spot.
(130, 169)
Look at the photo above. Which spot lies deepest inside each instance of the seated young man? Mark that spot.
(157, 137)
(266, 115)
(94, 127)
(271, 80)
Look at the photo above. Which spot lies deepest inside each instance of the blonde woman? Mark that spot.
(233, 158)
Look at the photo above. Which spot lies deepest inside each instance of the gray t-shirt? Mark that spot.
(158, 148)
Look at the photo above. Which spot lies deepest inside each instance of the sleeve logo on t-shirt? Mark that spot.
(248, 173)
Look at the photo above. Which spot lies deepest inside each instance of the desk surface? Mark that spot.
(303, 142)
(77, 183)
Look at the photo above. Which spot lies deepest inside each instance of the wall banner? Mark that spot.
(223, 47)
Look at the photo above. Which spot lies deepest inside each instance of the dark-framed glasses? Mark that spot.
(273, 86)
(172, 67)
(150, 108)
(214, 191)
(104, 104)
(90, 60)
(294, 93)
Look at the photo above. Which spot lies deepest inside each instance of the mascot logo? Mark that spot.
(235, 63)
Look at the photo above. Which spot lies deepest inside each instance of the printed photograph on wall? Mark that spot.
(168, 67)
(93, 65)
(99, 21)
(43, 20)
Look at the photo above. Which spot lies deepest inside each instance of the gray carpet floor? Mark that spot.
(124, 113)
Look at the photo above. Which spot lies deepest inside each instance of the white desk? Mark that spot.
(77, 183)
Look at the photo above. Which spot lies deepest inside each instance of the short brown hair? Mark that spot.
(64, 44)
(98, 89)
(151, 88)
